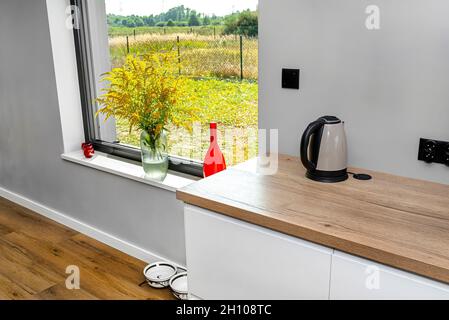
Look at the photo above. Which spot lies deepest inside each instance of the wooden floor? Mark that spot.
(35, 252)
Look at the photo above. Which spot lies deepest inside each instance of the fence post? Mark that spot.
(134, 34)
(127, 44)
(241, 57)
(179, 55)
(215, 32)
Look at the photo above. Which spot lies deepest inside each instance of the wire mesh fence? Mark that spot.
(214, 64)
(203, 56)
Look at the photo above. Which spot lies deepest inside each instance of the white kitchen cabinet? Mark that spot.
(231, 259)
(361, 279)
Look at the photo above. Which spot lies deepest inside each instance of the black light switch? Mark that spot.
(290, 78)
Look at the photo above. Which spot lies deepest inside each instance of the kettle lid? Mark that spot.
(330, 120)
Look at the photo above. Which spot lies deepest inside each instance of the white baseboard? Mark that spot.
(106, 238)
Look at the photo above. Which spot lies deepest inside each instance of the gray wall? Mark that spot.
(31, 143)
(391, 86)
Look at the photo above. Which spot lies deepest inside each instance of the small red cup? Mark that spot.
(88, 150)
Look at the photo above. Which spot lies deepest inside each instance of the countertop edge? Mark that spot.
(378, 255)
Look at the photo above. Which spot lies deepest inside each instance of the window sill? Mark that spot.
(129, 169)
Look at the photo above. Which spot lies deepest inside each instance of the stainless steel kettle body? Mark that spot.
(324, 151)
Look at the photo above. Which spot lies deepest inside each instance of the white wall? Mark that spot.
(31, 143)
(391, 86)
(63, 51)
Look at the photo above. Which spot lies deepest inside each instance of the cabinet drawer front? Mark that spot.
(357, 278)
(231, 259)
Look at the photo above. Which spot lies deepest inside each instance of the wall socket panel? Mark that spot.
(434, 151)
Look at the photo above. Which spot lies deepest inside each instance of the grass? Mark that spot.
(201, 56)
(212, 64)
(232, 104)
(202, 30)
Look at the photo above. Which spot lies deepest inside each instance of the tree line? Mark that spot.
(244, 23)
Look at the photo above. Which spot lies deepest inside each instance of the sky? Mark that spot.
(147, 7)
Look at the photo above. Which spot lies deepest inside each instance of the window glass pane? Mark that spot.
(213, 46)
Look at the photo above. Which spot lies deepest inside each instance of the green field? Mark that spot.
(232, 104)
(200, 56)
(213, 65)
(202, 30)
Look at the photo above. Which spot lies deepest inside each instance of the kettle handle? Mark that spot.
(305, 140)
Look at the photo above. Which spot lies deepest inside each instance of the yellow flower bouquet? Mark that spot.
(148, 92)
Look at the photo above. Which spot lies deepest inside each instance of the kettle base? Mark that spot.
(328, 176)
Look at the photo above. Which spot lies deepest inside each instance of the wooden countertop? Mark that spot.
(396, 221)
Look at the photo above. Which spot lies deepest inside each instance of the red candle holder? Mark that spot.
(88, 150)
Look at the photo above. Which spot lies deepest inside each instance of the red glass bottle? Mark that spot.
(214, 161)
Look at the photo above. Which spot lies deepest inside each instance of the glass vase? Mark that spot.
(154, 155)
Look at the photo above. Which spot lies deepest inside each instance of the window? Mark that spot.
(216, 46)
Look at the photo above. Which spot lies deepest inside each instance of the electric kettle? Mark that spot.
(324, 150)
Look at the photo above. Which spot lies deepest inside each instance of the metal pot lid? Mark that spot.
(179, 283)
(159, 271)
